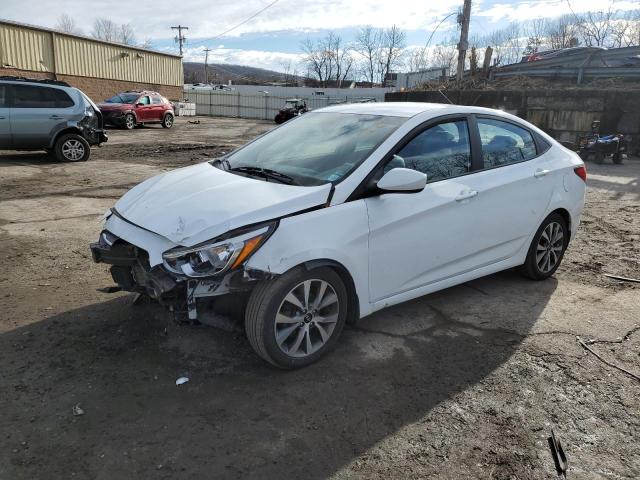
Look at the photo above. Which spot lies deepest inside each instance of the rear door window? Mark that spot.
(156, 100)
(504, 143)
(27, 96)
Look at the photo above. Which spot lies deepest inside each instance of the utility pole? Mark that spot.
(206, 68)
(180, 39)
(463, 20)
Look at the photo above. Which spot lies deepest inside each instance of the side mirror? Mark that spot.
(402, 180)
(139, 105)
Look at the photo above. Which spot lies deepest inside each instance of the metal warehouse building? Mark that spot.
(99, 68)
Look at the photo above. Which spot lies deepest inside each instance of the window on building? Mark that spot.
(441, 151)
(504, 143)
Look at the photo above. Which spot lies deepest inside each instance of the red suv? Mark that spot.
(128, 109)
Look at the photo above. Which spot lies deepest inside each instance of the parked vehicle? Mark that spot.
(599, 147)
(344, 211)
(292, 108)
(48, 115)
(128, 109)
(560, 53)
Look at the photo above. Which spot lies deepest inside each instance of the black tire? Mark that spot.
(265, 302)
(129, 121)
(167, 121)
(531, 267)
(279, 119)
(72, 147)
(617, 158)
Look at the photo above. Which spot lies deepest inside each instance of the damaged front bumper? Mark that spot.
(133, 272)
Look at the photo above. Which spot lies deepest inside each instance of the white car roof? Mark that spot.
(406, 109)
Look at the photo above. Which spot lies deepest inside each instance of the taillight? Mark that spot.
(581, 172)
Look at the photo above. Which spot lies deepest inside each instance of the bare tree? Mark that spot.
(316, 61)
(535, 32)
(67, 24)
(562, 32)
(127, 34)
(392, 47)
(596, 28)
(445, 56)
(368, 41)
(109, 31)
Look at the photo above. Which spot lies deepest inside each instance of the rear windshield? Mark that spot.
(317, 148)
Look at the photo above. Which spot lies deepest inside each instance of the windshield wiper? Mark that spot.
(266, 173)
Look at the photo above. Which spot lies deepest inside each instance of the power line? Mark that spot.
(242, 22)
(180, 39)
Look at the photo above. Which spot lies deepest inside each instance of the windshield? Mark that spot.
(123, 98)
(316, 148)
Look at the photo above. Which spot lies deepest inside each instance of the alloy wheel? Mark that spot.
(130, 122)
(73, 150)
(306, 318)
(550, 246)
(168, 121)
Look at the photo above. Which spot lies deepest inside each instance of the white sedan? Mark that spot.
(344, 211)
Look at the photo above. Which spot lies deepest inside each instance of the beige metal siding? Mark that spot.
(86, 58)
(38, 50)
(26, 49)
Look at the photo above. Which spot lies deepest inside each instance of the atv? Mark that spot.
(292, 108)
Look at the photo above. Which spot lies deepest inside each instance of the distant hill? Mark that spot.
(222, 73)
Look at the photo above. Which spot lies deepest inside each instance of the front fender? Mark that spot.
(338, 234)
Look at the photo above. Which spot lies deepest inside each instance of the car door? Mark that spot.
(157, 110)
(36, 111)
(420, 238)
(144, 109)
(512, 188)
(5, 118)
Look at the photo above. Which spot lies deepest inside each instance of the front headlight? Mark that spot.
(216, 257)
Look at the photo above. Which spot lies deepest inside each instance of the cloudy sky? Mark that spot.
(273, 37)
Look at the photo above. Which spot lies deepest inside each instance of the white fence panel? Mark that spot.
(264, 106)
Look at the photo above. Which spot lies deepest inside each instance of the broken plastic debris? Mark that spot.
(77, 410)
(182, 380)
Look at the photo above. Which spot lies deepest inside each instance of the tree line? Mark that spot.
(376, 52)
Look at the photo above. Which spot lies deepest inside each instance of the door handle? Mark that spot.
(541, 173)
(2, 118)
(56, 117)
(466, 195)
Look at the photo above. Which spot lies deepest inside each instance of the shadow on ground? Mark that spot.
(237, 417)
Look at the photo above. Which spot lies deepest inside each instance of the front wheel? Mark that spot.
(72, 148)
(295, 319)
(167, 121)
(129, 121)
(547, 248)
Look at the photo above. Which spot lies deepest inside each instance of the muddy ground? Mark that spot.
(465, 383)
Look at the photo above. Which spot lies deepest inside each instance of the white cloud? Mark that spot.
(255, 58)
(527, 10)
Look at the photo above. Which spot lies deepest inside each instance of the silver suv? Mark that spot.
(48, 115)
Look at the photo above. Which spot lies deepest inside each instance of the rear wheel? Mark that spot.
(129, 121)
(167, 121)
(547, 248)
(295, 319)
(72, 148)
(617, 158)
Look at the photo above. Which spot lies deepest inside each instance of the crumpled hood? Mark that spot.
(108, 107)
(198, 203)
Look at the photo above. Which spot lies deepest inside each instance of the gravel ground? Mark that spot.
(464, 383)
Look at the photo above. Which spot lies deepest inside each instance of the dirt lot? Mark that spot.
(465, 383)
